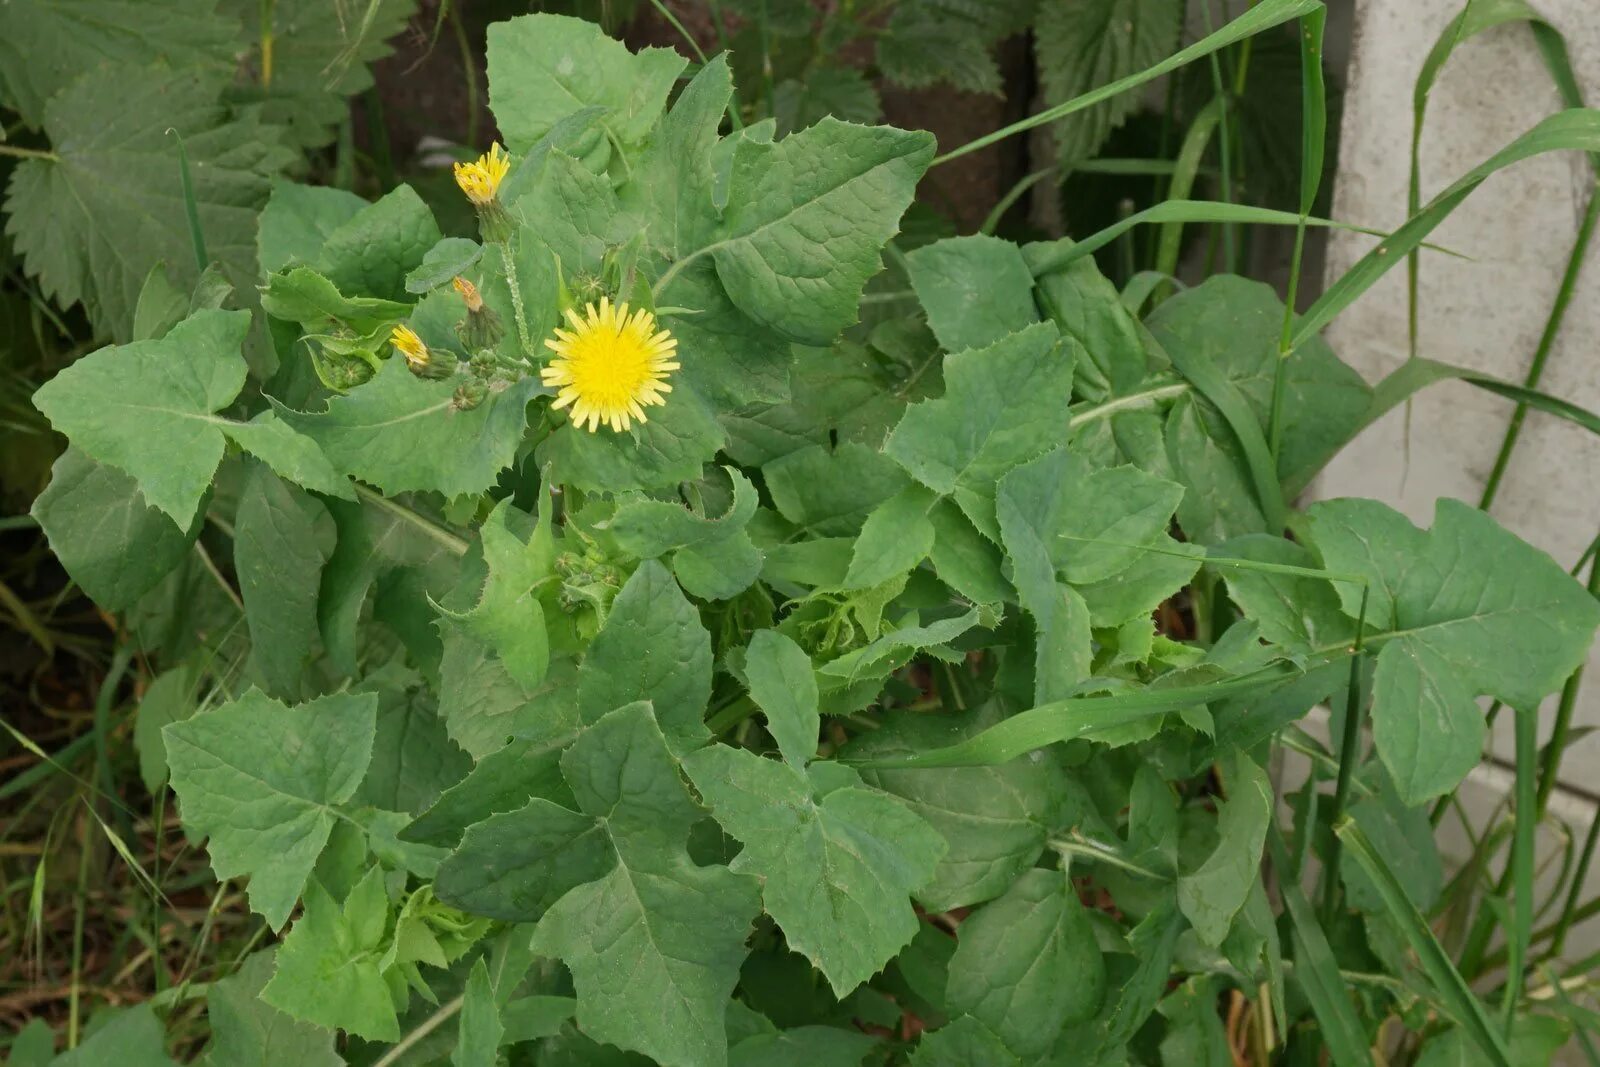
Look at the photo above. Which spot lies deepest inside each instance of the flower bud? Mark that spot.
(481, 329)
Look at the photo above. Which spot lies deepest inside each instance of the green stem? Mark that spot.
(1561, 733)
(517, 311)
(1349, 757)
(74, 993)
(28, 153)
(1541, 355)
(672, 20)
(1558, 932)
(1526, 825)
(732, 715)
(1219, 101)
(457, 545)
(446, 1010)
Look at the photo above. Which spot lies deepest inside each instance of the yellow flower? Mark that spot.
(408, 344)
(611, 365)
(481, 180)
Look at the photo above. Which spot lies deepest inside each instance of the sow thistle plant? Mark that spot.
(643, 646)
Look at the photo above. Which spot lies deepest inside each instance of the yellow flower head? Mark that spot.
(611, 365)
(408, 344)
(481, 180)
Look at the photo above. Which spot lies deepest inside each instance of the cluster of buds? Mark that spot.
(589, 583)
(480, 181)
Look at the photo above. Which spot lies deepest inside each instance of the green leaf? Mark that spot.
(545, 67)
(673, 183)
(1297, 612)
(33, 1046)
(484, 708)
(675, 929)
(1027, 965)
(447, 259)
(113, 183)
(171, 697)
(292, 455)
(246, 1031)
(260, 780)
(680, 438)
(300, 294)
(1084, 304)
(652, 647)
(133, 1038)
(1211, 895)
(844, 92)
(963, 1043)
(1003, 405)
(480, 1027)
(514, 866)
(402, 433)
(784, 686)
(976, 290)
(372, 252)
(501, 781)
(806, 219)
(1535, 1040)
(112, 544)
(1195, 1034)
(931, 41)
(46, 44)
(994, 820)
(713, 558)
(966, 560)
(508, 617)
(1463, 610)
(296, 222)
(895, 538)
(413, 760)
(320, 55)
(804, 1046)
(147, 407)
(1083, 46)
(278, 558)
(831, 493)
(327, 970)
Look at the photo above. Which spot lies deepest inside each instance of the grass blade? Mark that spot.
(1416, 374)
(1467, 1011)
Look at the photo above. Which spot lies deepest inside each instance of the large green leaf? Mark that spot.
(328, 966)
(246, 1031)
(401, 432)
(806, 220)
(1003, 405)
(149, 409)
(653, 647)
(133, 1037)
(543, 68)
(115, 546)
(261, 779)
(1027, 965)
(372, 252)
(1462, 610)
(508, 617)
(975, 290)
(278, 556)
(91, 220)
(1212, 895)
(46, 44)
(676, 930)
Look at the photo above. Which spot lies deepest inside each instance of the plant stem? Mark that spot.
(1349, 756)
(1526, 826)
(456, 545)
(1560, 733)
(1541, 355)
(28, 153)
(1558, 935)
(432, 1023)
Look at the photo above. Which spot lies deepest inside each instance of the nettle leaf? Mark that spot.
(995, 820)
(508, 617)
(1083, 46)
(278, 557)
(712, 558)
(46, 44)
(1003, 405)
(404, 433)
(825, 90)
(652, 647)
(1027, 965)
(976, 290)
(328, 966)
(115, 546)
(1212, 895)
(807, 217)
(260, 779)
(246, 1031)
(149, 407)
(113, 184)
(545, 67)
(321, 54)
(677, 930)
(931, 41)
(838, 860)
(1462, 610)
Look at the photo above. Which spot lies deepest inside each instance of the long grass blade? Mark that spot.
(1416, 374)
(1465, 1008)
